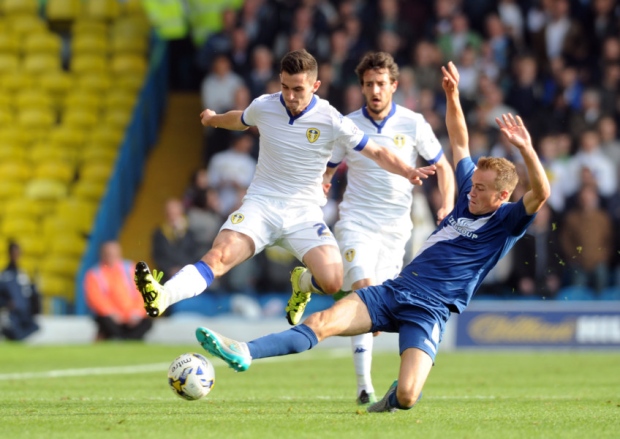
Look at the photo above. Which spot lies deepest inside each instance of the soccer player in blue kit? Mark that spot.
(442, 277)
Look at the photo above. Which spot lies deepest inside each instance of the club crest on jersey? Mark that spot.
(399, 140)
(313, 134)
(236, 218)
(349, 255)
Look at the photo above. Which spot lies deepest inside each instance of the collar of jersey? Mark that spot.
(292, 118)
(383, 122)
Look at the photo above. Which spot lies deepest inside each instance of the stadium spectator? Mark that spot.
(586, 237)
(375, 222)
(218, 43)
(20, 300)
(173, 243)
(261, 73)
(112, 297)
(220, 85)
(230, 173)
(282, 205)
(418, 303)
(460, 36)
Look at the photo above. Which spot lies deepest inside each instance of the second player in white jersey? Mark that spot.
(375, 214)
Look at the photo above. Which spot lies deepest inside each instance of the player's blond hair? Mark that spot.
(300, 61)
(507, 177)
(377, 61)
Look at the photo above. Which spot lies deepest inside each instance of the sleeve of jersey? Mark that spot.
(428, 145)
(349, 134)
(248, 115)
(514, 217)
(338, 155)
(464, 170)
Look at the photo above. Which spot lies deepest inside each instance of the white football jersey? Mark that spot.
(294, 150)
(375, 197)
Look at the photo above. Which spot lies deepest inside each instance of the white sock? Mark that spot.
(305, 283)
(188, 282)
(361, 345)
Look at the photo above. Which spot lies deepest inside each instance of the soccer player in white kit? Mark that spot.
(283, 203)
(375, 214)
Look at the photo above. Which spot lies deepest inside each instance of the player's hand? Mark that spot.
(206, 116)
(514, 129)
(416, 175)
(326, 188)
(450, 81)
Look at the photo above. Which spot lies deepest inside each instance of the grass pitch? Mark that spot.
(119, 390)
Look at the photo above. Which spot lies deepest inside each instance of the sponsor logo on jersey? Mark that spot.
(313, 134)
(463, 226)
(399, 140)
(349, 255)
(236, 218)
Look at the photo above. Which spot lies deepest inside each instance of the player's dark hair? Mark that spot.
(300, 61)
(377, 61)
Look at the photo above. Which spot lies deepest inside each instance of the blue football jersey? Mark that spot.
(454, 260)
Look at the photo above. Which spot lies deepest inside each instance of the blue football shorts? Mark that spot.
(418, 325)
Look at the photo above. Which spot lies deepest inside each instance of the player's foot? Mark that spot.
(384, 404)
(365, 398)
(234, 353)
(150, 288)
(297, 303)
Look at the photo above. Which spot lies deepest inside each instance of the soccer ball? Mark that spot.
(191, 376)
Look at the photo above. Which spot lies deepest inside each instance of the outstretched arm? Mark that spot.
(445, 183)
(517, 134)
(230, 120)
(392, 163)
(455, 119)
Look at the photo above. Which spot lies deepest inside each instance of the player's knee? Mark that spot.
(407, 399)
(331, 286)
(318, 323)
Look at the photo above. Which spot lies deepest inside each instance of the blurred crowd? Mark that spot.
(554, 62)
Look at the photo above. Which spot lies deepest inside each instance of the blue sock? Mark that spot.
(315, 285)
(205, 271)
(393, 400)
(292, 341)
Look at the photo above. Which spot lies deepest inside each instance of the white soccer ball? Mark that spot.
(191, 376)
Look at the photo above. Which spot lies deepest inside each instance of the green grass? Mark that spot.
(311, 395)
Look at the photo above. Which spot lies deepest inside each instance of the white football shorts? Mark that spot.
(297, 227)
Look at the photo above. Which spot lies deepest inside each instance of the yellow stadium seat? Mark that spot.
(88, 190)
(99, 153)
(31, 244)
(6, 115)
(95, 171)
(55, 170)
(133, 8)
(118, 117)
(13, 226)
(16, 81)
(10, 189)
(44, 42)
(82, 64)
(30, 264)
(9, 43)
(27, 25)
(12, 152)
(23, 207)
(46, 151)
(128, 64)
(32, 99)
(14, 135)
(89, 44)
(121, 44)
(9, 62)
(106, 10)
(60, 265)
(120, 99)
(41, 63)
(89, 26)
(82, 118)
(16, 170)
(83, 100)
(97, 82)
(131, 83)
(67, 137)
(67, 243)
(62, 10)
(57, 84)
(54, 285)
(36, 118)
(20, 7)
(45, 189)
(80, 213)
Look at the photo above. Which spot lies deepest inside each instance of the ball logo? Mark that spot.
(399, 140)
(349, 255)
(236, 218)
(312, 134)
